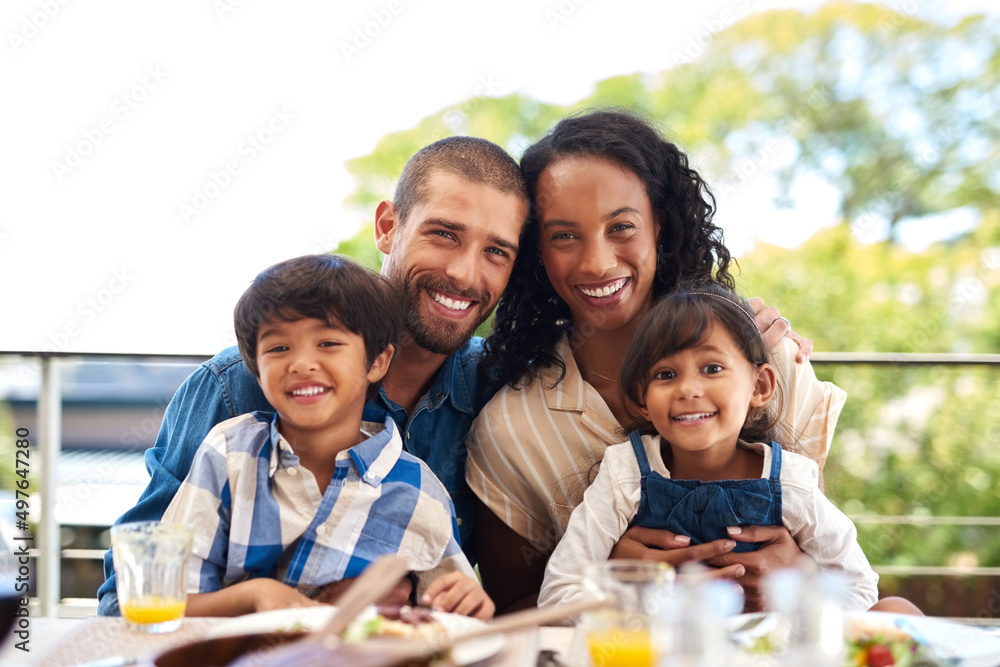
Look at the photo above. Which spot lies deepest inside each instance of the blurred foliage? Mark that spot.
(8, 473)
(899, 115)
(911, 439)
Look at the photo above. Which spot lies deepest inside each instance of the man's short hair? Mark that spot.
(332, 288)
(475, 160)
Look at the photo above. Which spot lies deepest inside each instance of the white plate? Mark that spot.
(312, 618)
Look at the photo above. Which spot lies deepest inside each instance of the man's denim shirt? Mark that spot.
(223, 388)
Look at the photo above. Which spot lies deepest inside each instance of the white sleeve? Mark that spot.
(824, 532)
(595, 526)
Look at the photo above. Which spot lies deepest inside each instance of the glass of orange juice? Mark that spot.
(151, 561)
(619, 635)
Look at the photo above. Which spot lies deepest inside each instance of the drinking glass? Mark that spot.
(810, 606)
(619, 635)
(151, 561)
(690, 630)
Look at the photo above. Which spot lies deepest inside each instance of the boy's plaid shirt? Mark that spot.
(257, 513)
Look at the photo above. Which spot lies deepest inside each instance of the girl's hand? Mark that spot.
(773, 327)
(459, 594)
(778, 551)
(662, 545)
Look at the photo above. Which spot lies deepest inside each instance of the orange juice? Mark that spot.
(620, 647)
(153, 609)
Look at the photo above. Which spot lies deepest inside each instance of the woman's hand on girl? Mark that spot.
(676, 550)
(773, 327)
(778, 551)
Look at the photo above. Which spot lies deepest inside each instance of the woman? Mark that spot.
(619, 218)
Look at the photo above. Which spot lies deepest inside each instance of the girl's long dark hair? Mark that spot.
(531, 317)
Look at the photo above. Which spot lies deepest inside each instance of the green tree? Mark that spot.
(898, 113)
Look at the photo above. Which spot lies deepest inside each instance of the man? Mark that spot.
(450, 237)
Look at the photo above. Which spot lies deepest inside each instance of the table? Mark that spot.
(63, 642)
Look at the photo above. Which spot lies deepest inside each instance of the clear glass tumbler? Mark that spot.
(619, 635)
(151, 560)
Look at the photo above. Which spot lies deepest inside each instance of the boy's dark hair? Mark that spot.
(680, 321)
(474, 160)
(332, 288)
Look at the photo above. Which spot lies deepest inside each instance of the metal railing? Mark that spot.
(48, 554)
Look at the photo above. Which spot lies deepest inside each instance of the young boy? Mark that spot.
(283, 503)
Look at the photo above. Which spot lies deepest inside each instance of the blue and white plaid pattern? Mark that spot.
(257, 512)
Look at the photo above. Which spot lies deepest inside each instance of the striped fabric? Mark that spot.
(533, 451)
(258, 513)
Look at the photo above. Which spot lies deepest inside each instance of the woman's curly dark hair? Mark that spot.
(531, 317)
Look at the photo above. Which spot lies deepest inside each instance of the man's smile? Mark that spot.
(448, 302)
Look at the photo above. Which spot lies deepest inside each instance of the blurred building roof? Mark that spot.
(98, 382)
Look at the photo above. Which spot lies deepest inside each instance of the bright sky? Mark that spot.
(156, 156)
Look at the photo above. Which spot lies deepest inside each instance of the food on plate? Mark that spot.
(871, 641)
(389, 621)
(875, 644)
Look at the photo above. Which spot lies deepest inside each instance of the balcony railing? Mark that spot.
(49, 439)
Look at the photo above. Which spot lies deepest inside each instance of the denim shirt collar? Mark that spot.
(456, 381)
(453, 384)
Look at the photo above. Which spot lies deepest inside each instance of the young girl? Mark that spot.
(698, 371)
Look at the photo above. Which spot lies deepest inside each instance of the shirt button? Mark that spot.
(292, 471)
(459, 521)
(407, 435)
(321, 530)
(439, 395)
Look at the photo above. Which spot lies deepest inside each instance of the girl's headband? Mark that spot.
(738, 306)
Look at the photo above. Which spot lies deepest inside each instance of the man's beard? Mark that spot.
(441, 339)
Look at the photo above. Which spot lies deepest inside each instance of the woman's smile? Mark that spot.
(603, 292)
(597, 240)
